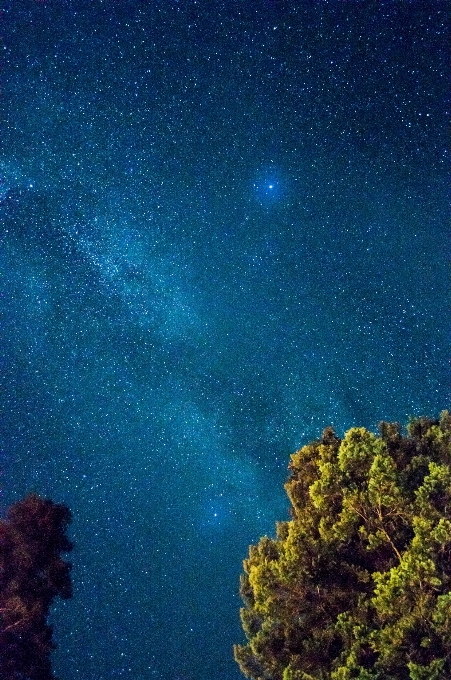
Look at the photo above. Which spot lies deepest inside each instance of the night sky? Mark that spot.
(225, 228)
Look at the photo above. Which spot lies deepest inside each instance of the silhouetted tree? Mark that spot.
(357, 585)
(32, 574)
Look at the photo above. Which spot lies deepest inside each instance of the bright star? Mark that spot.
(269, 186)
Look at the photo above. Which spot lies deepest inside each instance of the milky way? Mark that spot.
(224, 231)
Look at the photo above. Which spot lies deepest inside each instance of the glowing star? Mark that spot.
(268, 189)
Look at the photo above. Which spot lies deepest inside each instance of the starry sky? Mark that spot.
(225, 228)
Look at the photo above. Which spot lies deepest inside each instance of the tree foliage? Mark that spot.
(357, 585)
(32, 574)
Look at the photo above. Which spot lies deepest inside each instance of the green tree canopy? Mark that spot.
(32, 574)
(357, 585)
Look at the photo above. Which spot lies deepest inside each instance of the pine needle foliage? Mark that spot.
(357, 585)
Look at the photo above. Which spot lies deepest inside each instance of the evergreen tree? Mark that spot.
(357, 585)
(32, 574)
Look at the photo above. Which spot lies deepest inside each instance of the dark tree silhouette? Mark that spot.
(357, 585)
(32, 574)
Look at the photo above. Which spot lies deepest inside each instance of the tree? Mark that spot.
(32, 574)
(357, 585)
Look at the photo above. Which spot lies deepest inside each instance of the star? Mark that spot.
(268, 188)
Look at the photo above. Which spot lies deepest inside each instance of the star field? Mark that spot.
(224, 229)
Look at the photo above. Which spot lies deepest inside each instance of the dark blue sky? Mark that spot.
(226, 228)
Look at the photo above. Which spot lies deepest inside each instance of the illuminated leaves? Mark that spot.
(357, 585)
